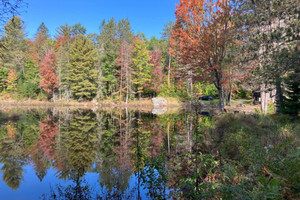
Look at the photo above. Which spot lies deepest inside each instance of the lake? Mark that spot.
(123, 154)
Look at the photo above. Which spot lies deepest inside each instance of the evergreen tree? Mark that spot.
(63, 42)
(82, 73)
(272, 32)
(109, 47)
(14, 46)
(78, 29)
(292, 99)
(42, 31)
(112, 35)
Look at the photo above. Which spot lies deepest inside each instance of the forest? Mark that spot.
(226, 49)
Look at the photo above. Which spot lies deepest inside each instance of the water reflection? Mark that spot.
(125, 154)
(127, 150)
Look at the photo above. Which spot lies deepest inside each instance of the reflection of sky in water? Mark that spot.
(31, 188)
(106, 147)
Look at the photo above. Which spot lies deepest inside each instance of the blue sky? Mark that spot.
(147, 16)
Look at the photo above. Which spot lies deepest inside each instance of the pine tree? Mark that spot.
(111, 37)
(292, 100)
(109, 47)
(78, 29)
(82, 73)
(272, 34)
(63, 42)
(14, 46)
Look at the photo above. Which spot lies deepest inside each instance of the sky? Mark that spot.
(147, 16)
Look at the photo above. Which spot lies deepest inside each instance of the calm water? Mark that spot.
(85, 154)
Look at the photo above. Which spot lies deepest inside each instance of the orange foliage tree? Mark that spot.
(48, 69)
(203, 32)
(12, 80)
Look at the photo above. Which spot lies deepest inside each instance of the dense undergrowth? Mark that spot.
(241, 157)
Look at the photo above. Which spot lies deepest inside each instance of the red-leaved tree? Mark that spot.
(49, 81)
(125, 60)
(157, 74)
(203, 32)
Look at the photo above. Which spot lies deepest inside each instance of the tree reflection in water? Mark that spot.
(136, 155)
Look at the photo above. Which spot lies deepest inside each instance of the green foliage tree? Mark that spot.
(82, 73)
(29, 82)
(13, 46)
(78, 29)
(3, 78)
(272, 35)
(141, 64)
(112, 35)
(291, 101)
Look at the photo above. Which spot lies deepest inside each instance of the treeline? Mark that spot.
(115, 64)
(236, 46)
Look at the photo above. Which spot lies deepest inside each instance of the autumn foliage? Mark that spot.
(201, 36)
(48, 68)
(12, 80)
(157, 73)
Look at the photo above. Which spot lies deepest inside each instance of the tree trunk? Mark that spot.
(279, 96)
(140, 95)
(228, 97)
(221, 98)
(192, 97)
(121, 83)
(168, 134)
(264, 98)
(127, 93)
(169, 70)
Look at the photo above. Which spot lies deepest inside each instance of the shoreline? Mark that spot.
(145, 103)
(142, 105)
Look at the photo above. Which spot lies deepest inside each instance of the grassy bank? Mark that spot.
(143, 103)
